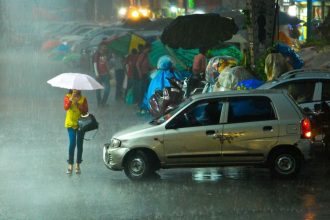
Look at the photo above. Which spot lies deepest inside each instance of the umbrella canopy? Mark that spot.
(123, 44)
(198, 30)
(77, 81)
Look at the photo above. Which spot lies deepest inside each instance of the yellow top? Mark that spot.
(73, 113)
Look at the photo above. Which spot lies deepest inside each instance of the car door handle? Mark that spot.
(267, 128)
(210, 132)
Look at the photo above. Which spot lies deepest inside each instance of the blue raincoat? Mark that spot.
(159, 78)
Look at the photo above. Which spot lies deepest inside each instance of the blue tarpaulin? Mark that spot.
(287, 51)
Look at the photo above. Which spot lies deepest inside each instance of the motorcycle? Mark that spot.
(164, 100)
(320, 121)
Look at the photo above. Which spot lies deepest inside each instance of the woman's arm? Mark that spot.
(67, 103)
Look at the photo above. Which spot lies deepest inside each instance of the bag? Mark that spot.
(129, 97)
(87, 123)
(125, 82)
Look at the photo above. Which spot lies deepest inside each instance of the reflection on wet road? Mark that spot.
(218, 174)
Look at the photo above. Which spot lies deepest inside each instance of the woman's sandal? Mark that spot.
(69, 170)
(78, 169)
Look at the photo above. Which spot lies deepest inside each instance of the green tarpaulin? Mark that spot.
(184, 58)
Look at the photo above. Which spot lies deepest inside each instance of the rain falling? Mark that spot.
(41, 39)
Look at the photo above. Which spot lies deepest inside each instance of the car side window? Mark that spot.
(248, 109)
(301, 91)
(204, 113)
(326, 91)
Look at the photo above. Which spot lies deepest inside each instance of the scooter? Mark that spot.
(165, 100)
(320, 120)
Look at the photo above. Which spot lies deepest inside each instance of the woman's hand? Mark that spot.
(74, 100)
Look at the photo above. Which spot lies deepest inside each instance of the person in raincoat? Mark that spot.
(75, 105)
(281, 59)
(160, 80)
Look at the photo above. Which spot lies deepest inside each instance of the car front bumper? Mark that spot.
(113, 157)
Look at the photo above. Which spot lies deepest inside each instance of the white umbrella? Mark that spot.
(77, 81)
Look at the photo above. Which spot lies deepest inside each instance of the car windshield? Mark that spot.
(168, 115)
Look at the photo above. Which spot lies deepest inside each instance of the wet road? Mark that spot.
(33, 150)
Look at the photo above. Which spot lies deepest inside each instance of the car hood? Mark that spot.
(135, 131)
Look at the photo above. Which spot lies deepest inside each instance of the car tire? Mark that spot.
(137, 166)
(285, 163)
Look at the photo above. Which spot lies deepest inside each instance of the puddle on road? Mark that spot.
(217, 174)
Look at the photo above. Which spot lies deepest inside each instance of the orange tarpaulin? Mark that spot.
(48, 45)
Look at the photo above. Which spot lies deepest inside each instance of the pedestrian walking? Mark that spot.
(143, 68)
(117, 63)
(102, 73)
(75, 105)
(131, 71)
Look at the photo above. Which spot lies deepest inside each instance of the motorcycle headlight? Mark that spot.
(115, 143)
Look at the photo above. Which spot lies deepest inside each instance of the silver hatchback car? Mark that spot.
(307, 86)
(260, 127)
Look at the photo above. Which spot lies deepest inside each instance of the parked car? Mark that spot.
(310, 88)
(93, 39)
(307, 86)
(212, 130)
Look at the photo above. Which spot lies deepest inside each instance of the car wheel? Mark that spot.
(137, 166)
(285, 163)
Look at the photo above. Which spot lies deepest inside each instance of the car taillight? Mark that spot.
(306, 129)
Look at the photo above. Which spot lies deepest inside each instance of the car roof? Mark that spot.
(296, 75)
(304, 73)
(236, 92)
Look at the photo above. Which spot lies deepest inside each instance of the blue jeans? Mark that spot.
(105, 81)
(76, 138)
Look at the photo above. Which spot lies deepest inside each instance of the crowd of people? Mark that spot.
(131, 75)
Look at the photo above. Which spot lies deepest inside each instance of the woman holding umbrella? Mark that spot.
(75, 105)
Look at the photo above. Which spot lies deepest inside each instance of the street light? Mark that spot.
(173, 9)
(122, 12)
(292, 10)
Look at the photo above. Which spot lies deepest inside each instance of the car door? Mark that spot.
(251, 129)
(326, 91)
(192, 137)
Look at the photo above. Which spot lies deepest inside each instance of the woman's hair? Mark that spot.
(71, 91)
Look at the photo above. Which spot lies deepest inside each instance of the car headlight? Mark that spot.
(115, 143)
